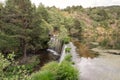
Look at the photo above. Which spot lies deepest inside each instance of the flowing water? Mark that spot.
(53, 52)
(104, 67)
(62, 53)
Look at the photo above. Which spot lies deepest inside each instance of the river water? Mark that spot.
(104, 67)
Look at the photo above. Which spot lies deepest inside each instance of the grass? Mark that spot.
(43, 75)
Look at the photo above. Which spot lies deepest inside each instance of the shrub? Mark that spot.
(52, 67)
(66, 40)
(48, 72)
(3, 64)
(55, 71)
(31, 63)
(104, 43)
(10, 70)
(68, 57)
(67, 50)
(66, 71)
(43, 75)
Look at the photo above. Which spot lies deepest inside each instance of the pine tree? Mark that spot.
(24, 27)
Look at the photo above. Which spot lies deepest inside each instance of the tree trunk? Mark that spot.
(24, 52)
(23, 46)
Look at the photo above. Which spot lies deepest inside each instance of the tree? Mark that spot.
(24, 26)
(69, 24)
(18, 17)
(7, 43)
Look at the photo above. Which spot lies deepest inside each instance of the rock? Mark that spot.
(116, 52)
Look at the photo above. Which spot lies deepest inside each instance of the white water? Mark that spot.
(63, 54)
(53, 52)
(104, 67)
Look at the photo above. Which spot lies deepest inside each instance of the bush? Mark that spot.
(67, 50)
(55, 71)
(52, 67)
(68, 57)
(66, 40)
(66, 71)
(10, 70)
(31, 63)
(3, 64)
(43, 75)
(48, 72)
(104, 43)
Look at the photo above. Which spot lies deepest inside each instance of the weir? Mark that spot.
(63, 53)
(55, 45)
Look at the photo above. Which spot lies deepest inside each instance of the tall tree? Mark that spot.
(25, 25)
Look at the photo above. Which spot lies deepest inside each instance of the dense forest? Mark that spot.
(26, 30)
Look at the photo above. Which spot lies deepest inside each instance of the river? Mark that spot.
(104, 67)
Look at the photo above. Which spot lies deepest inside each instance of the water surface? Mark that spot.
(104, 67)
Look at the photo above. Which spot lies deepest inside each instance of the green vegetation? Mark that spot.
(31, 63)
(43, 75)
(67, 72)
(68, 57)
(67, 50)
(55, 71)
(52, 67)
(9, 69)
(27, 30)
(21, 27)
(66, 40)
(99, 24)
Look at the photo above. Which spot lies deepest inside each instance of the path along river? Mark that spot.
(104, 67)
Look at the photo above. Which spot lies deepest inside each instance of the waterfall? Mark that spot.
(53, 52)
(63, 54)
(53, 44)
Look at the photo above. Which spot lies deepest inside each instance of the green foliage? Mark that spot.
(9, 69)
(23, 27)
(67, 50)
(48, 72)
(55, 71)
(103, 43)
(66, 72)
(63, 33)
(43, 75)
(74, 8)
(3, 64)
(31, 63)
(68, 57)
(98, 14)
(16, 72)
(66, 40)
(43, 13)
(51, 66)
